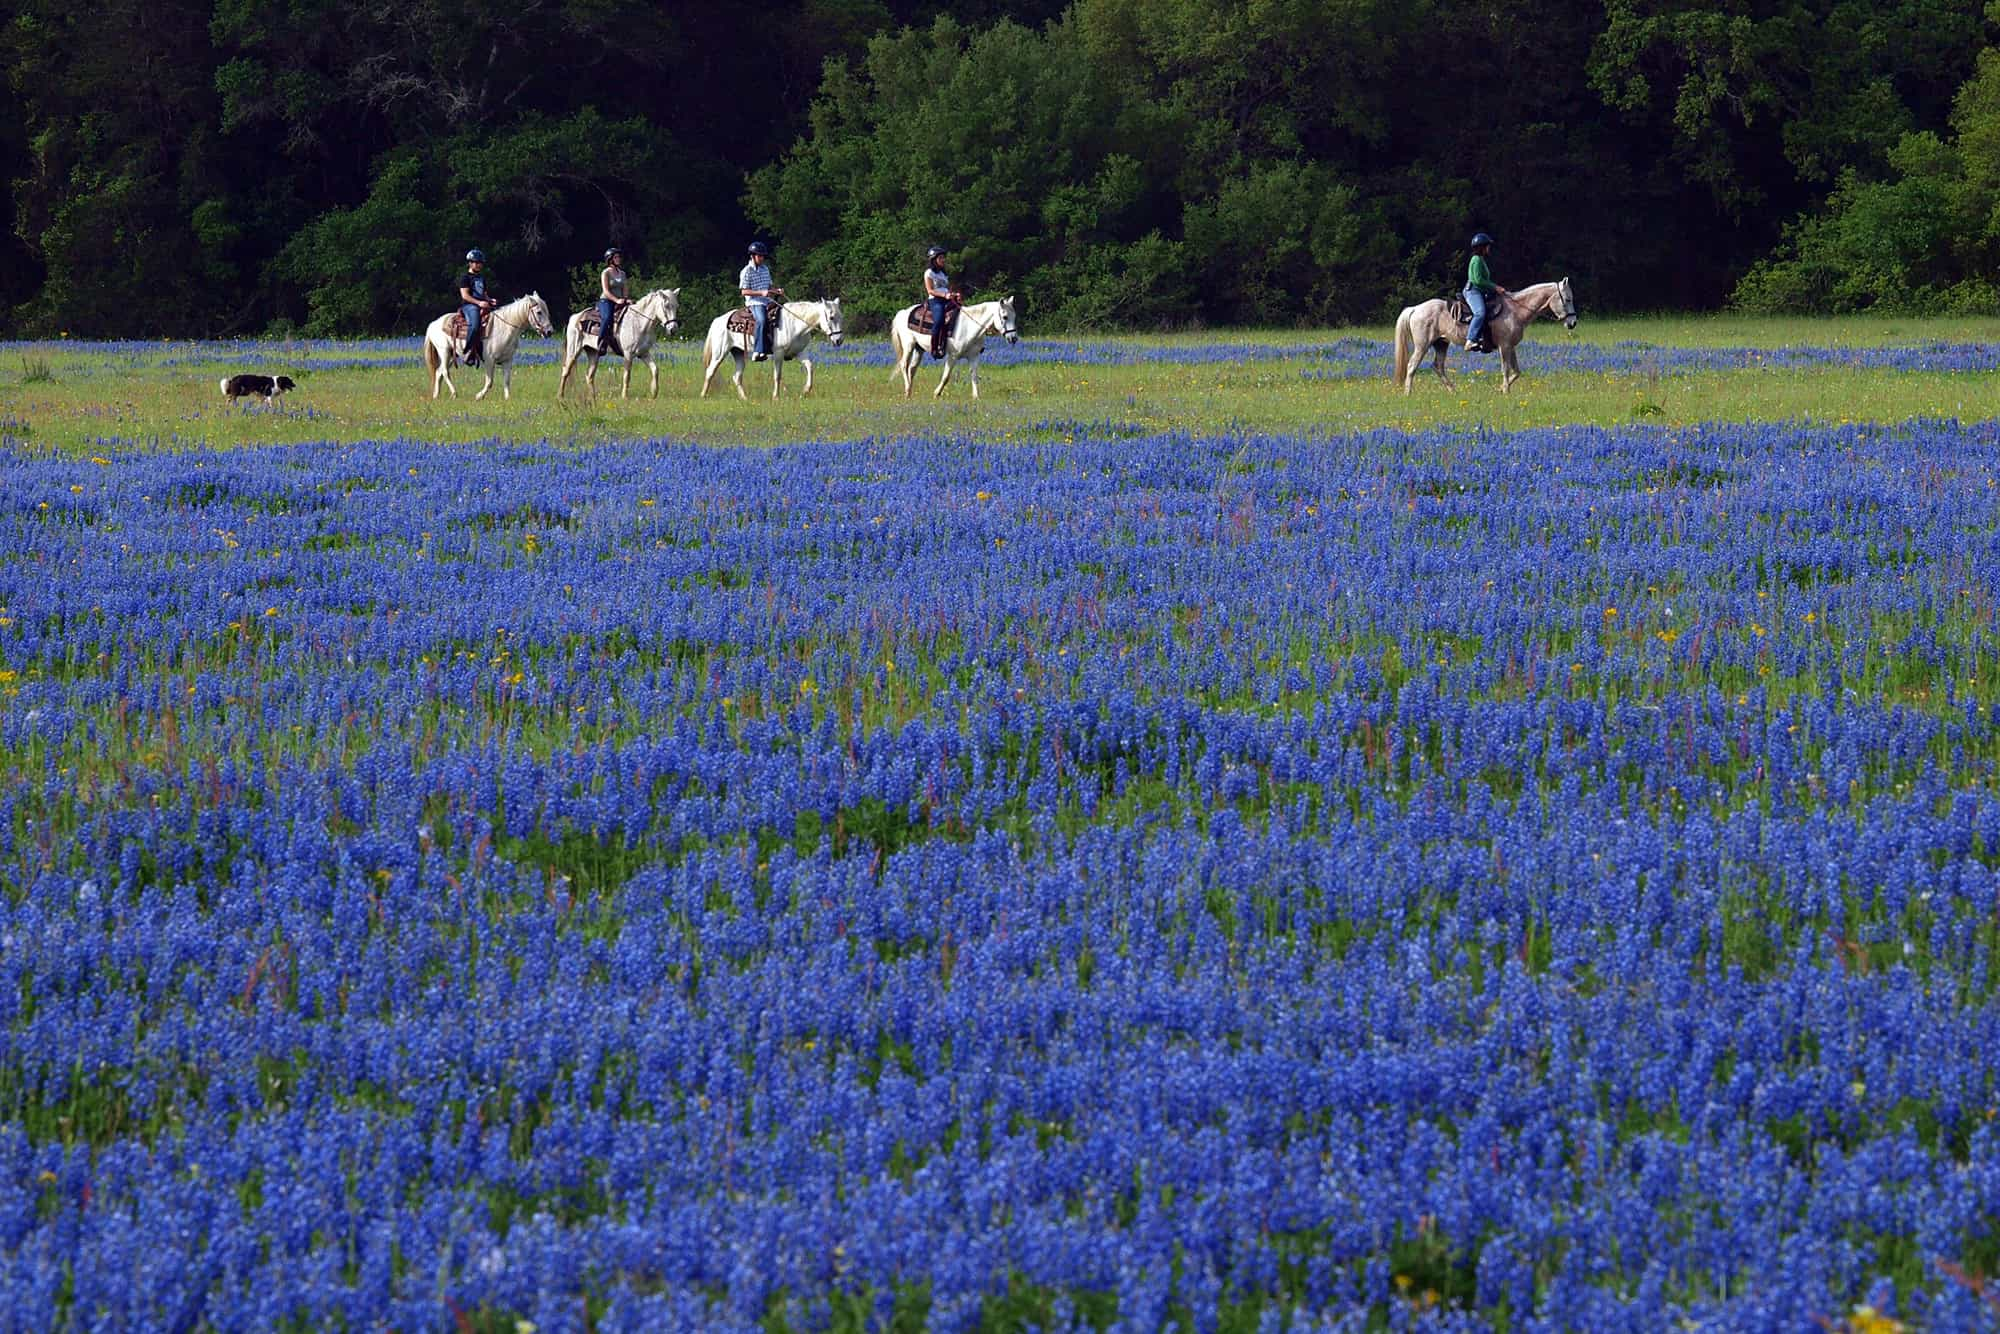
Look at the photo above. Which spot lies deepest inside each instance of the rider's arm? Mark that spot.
(465, 295)
(604, 286)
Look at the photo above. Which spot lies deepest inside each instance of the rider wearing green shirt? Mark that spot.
(1480, 291)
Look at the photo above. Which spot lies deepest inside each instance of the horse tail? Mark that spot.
(1403, 336)
(430, 354)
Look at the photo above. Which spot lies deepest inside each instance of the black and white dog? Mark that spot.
(242, 386)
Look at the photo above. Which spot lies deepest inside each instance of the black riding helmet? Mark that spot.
(613, 253)
(1479, 239)
(759, 248)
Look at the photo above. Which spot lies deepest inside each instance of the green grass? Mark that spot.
(93, 408)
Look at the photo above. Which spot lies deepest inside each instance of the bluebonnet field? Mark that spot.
(1257, 882)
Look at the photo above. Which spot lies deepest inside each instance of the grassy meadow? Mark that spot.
(164, 396)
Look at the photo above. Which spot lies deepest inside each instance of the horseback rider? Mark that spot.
(760, 294)
(1480, 292)
(473, 302)
(610, 295)
(940, 296)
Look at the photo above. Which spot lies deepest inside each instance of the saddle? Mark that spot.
(920, 318)
(608, 343)
(742, 321)
(456, 329)
(1460, 310)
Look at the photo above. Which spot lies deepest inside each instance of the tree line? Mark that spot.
(320, 166)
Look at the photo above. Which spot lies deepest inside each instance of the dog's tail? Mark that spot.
(224, 383)
(430, 356)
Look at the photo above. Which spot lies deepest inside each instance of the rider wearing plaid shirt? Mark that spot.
(758, 293)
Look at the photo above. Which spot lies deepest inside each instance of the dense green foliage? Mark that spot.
(217, 166)
(1927, 237)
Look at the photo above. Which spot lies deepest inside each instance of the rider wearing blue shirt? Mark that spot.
(759, 293)
(938, 296)
(474, 303)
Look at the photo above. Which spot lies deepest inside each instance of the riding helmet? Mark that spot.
(475, 254)
(614, 250)
(934, 252)
(1479, 239)
(759, 248)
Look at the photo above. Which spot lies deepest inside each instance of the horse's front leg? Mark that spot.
(1438, 361)
(972, 370)
(809, 377)
(654, 368)
(507, 380)
(777, 375)
(945, 379)
(625, 385)
(486, 388)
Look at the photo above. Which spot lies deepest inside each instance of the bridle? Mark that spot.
(633, 307)
(498, 318)
(999, 322)
(1562, 298)
(825, 325)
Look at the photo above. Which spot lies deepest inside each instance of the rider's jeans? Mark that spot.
(472, 314)
(1477, 300)
(939, 306)
(605, 307)
(761, 340)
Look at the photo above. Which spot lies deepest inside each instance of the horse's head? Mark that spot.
(830, 320)
(670, 307)
(1563, 305)
(1007, 324)
(538, 315)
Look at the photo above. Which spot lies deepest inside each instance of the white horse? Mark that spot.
(506, 324)
(967, 341)
(658, 312)
(1430, 324)
(793, 327)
